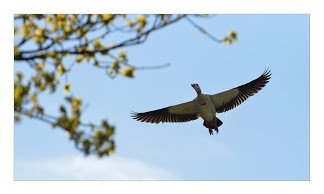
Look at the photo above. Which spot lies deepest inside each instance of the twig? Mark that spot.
(153, 67)
(202, 30)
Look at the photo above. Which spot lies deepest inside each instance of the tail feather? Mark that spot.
(218, 122)
(205, 124)
(213, 124)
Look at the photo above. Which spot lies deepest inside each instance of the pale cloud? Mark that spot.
(89, 168)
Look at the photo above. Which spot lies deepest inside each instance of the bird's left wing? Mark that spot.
(229, 99)
(178, 113)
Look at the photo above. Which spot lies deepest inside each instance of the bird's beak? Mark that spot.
(193, 85)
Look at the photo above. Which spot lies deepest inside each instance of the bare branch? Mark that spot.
(202, 30)
(155, 67)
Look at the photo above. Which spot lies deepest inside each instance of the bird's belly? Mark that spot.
(206, 113)
(205, 107)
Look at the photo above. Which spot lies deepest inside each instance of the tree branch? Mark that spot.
(139, 39)
(202, 30)
(155, 67)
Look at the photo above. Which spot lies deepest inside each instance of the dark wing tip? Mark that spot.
(137, 116)
(254, 86)
(155, 116)
(258, 83)
(134, 115)
(247, 90)
(162, 115)
(264, 78)
(266, 74)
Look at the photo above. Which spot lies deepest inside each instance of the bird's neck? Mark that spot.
(198, 91)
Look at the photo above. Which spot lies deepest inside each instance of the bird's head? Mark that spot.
(196, 87)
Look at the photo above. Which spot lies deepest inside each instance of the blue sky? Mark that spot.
(265, 138)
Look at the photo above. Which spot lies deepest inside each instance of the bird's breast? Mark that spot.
(205, 107)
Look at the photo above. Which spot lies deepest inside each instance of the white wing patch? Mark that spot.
(184, 108)
(224, 97)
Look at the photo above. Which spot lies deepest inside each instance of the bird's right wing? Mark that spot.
(229, 99)
(178, 113)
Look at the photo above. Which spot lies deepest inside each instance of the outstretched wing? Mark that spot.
(230, 99)
(178, 113)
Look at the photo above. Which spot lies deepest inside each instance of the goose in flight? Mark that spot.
(205, 106)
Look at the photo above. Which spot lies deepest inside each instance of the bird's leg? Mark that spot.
(216, 129)
(210, 131)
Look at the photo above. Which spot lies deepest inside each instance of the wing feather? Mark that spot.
(178, 113)
(230, 99)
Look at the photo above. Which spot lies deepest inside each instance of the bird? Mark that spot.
(205, 106)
